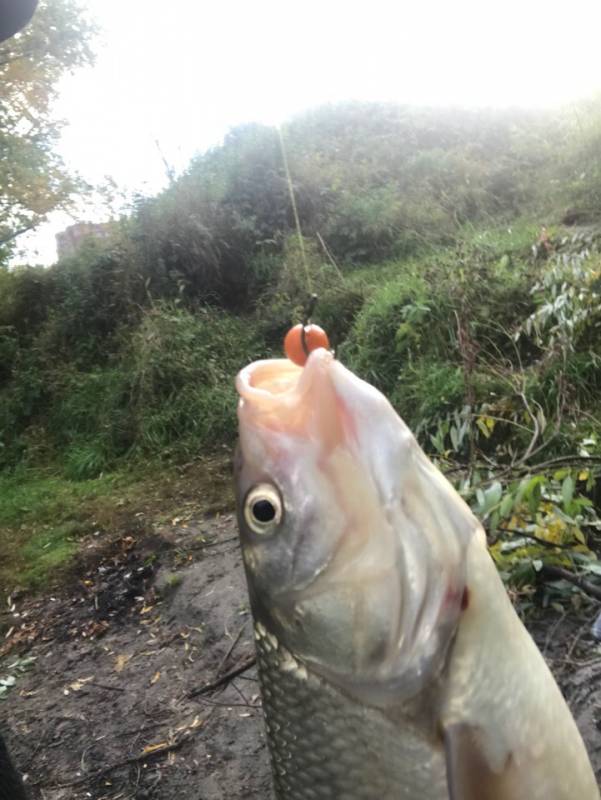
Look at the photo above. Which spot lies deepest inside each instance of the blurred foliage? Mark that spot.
(451, 274)
(33, 178)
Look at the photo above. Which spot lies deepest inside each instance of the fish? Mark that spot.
(391, 661)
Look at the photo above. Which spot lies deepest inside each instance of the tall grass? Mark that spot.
(168, 388)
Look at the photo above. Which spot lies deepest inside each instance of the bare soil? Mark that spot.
(104, 711)
(149, 616)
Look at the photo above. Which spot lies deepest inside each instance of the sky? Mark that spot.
(171, 78)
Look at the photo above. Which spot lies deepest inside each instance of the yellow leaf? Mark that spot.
(155, 678)
(482, 427)
(79, 683)
(121, 661)
(583, 475)
(579, 536)
(151, 748)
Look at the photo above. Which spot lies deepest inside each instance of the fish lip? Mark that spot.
(270, 383)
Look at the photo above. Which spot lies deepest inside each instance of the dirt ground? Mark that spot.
(105, 711)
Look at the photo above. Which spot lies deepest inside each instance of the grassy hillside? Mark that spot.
(423, 238)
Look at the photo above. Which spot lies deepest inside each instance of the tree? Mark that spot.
(33, 178)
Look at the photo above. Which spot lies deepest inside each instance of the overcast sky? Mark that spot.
(182, 72)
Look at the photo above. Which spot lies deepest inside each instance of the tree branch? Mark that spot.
(558, 573)
(16, 233)
(208, 687)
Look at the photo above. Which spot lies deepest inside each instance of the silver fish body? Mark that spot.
(324, 745)
(392, 664)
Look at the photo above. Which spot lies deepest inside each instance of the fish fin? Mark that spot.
(469, 773)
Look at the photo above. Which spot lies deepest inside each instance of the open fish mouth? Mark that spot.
(307, 402)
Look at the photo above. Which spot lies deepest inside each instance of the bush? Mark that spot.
(395, 327)
(182, 368)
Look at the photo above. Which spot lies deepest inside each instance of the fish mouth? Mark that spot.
(267, 382)
(271, 382)
(308, 402)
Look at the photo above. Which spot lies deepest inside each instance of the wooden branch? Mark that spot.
(16, 233)
(167, 748)
(559, 573)
(226, 678)
(532, 537)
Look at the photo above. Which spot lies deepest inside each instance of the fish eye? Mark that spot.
(263, 509)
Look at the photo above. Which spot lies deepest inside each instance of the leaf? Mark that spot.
(527, 486)
(534, 483)
(121, 661)
(155, 678)
(494, 494)
(151, 748)
(482, 427)
(486, 425)
(437, 442)
(80, 683)
(567, 492)
(542, 421)
(514, 544)
(454, 438)
(506, 505)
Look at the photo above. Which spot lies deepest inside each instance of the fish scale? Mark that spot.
(327, 746)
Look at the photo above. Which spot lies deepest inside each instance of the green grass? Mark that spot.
(44, 516)
(47, 551)
(29, 497)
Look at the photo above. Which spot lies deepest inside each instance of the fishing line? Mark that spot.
(301, 243)
(299, 233)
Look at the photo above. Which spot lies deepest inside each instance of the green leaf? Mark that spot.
(534, 499)
(506, 505)
(454, 438)
(493, 522)
(494, 494)
(567, 492)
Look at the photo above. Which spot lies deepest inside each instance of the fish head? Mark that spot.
(353, 542)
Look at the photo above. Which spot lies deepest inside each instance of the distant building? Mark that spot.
(70, 240)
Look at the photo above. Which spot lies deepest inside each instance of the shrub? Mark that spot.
(182, 368)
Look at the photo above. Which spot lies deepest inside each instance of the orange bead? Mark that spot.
(293, 343)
